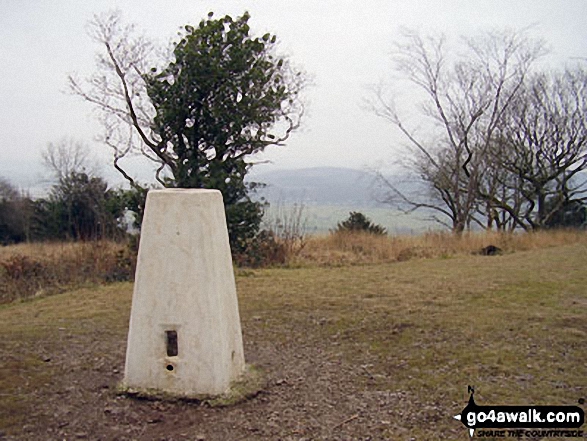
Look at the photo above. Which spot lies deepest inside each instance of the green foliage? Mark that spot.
(81, 207)
(243, 219)
(359, 222)
(134, 200)
(218, 103)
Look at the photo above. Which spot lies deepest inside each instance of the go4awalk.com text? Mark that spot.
(522, 421)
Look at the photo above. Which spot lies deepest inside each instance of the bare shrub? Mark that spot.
(288, 224)
(264, 250)
(21, 275)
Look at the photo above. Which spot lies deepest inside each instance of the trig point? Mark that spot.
(185, 335)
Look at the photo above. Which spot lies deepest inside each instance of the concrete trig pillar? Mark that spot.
(185, 334)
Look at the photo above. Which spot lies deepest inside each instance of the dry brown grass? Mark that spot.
(362, 248)
(29, 270)
(51, 251)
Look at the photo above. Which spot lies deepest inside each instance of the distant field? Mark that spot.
(379, 351)
(320, 219)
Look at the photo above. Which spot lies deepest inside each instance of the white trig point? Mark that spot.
(184, 336)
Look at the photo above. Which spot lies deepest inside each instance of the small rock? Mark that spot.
(111, 411)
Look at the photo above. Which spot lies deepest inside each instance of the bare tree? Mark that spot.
(496, 188)
(465, 97)
(8, 192)
(544, 145)
(67, 156)
(118, 89)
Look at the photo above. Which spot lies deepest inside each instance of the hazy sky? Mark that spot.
(344, 45)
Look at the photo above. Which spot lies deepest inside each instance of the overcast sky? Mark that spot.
(344, 45)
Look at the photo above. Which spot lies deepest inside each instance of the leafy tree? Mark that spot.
(223, 97)
(81, 207)
(134, 200)
(359, 222)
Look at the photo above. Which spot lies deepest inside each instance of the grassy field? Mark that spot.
(372, 351)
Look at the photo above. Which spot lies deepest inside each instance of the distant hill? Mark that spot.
(329, 194)
(319, 186)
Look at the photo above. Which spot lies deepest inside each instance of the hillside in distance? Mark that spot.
(319, 186)
(328, 194)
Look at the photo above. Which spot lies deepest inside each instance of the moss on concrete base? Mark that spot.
(249, 385)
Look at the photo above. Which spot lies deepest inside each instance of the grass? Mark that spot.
(38, 269)
(33, 331)
(345, 249)
(514, 326)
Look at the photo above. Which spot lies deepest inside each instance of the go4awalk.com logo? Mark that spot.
(522, 421)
